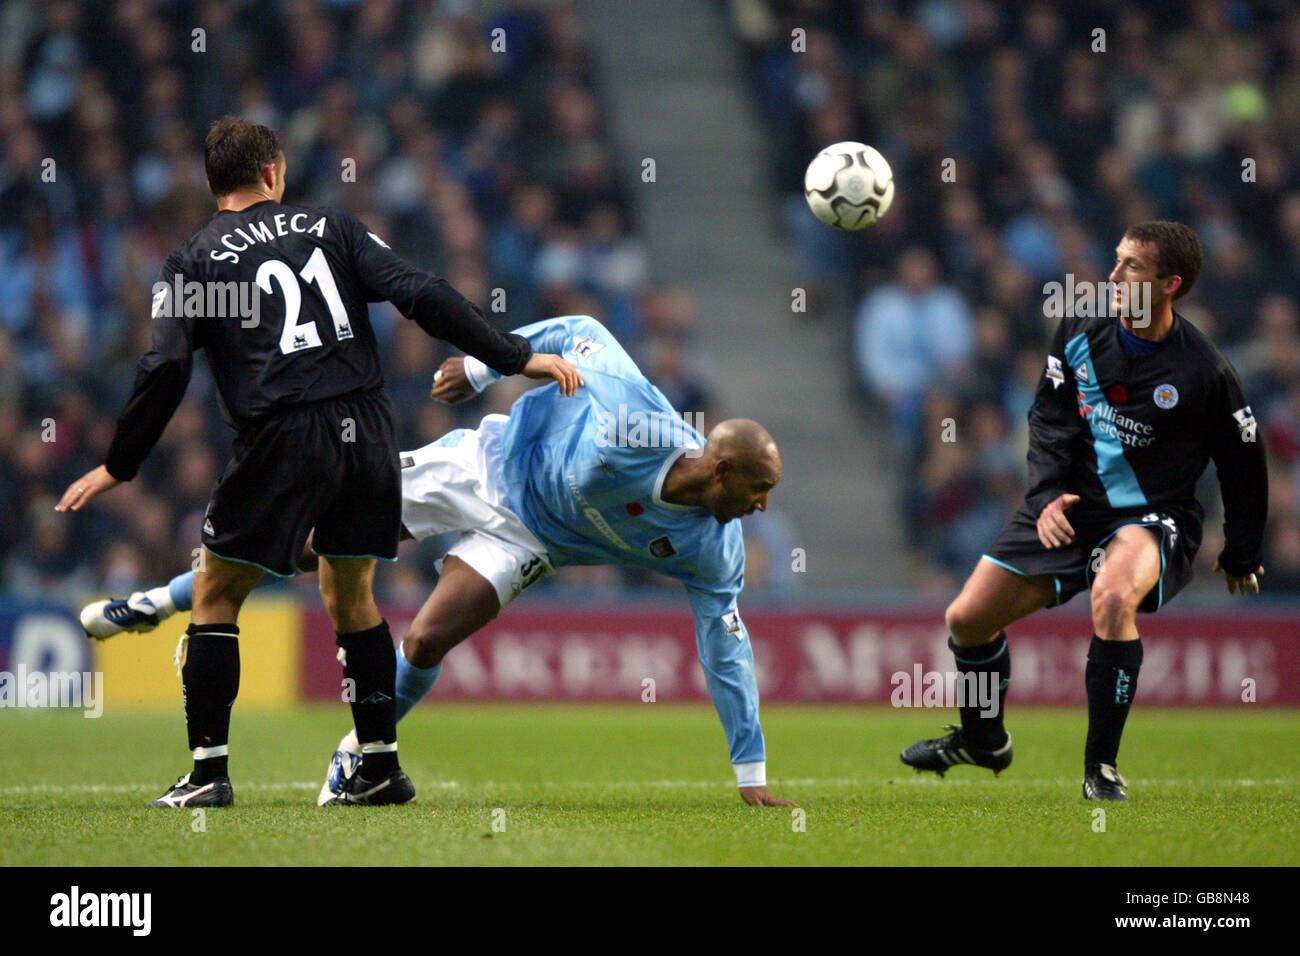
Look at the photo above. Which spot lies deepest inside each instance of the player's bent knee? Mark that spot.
(1114, 604)
(965, 625)
(955, 617)
(418, 649)
(426, 647)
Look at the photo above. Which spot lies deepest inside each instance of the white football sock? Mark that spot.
(161, 598)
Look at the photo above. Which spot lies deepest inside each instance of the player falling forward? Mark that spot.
(560, 482)
(1126, 418)
(299, 381)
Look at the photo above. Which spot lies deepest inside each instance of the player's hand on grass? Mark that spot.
(1243, 585)
(1053, 528)
(450, 383)
(545, 365)
(762, 797)
(89, 485)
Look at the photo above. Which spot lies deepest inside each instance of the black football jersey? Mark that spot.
(277, 297)
(1134, 433)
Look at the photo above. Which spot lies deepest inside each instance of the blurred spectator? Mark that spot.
(49, 565)
(910, 334)
(668, 361)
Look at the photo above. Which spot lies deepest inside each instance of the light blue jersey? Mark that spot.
(585, 475)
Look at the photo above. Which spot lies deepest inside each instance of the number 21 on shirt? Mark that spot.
(295, 337)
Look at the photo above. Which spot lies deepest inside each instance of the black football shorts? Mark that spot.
(331, 465)
(1073, 565)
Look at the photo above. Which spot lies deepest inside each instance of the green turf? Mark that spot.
(648, 784)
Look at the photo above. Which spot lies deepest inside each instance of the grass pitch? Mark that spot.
(649, 784)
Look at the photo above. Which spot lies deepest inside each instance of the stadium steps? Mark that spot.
(676, 93)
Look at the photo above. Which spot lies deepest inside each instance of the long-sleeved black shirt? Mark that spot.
(277, 297)
(1134, 433)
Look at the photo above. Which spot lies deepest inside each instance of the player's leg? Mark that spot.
(210, 678)
(145, 610)
(347, 586)
(366, 653)
(453, 485)
(481, 574)
(436, 493)
(283, 474)
(141, 611)
(220, 588)
(462, 602)
(992, 597)
(1130, 568)
(363, 523)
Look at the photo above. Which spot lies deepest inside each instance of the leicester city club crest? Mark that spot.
(1166, 396)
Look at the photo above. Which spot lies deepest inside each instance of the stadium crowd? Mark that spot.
(493, 167)
(1057, 125)
(489, 166)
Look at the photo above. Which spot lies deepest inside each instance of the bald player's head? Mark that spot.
(744, 465)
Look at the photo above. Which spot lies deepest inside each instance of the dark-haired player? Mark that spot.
(299, 380)
(1126, 418)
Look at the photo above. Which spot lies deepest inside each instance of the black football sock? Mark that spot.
(991, 665)
(210, 683)
(371, 666)
(1111, 678)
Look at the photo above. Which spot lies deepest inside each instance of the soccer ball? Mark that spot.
(849, 185)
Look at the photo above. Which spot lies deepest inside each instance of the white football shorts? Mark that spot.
(454, 484)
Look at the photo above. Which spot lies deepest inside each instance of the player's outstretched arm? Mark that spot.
(543, 365)
(159, 387)
(89, 485)
(451, 384)
(728, 662)
(578, 339)
(162, 376)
